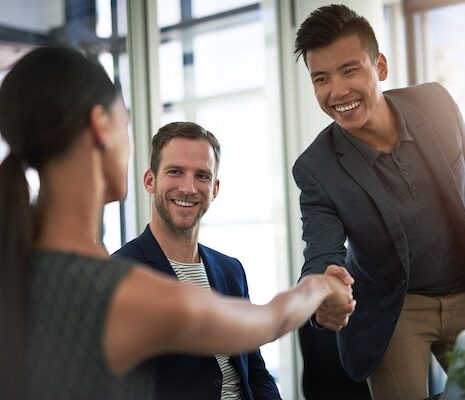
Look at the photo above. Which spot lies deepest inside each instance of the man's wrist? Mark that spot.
(314, 323)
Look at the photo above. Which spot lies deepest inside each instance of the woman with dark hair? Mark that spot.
(75, 324)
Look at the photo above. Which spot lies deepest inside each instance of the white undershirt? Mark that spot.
(195, 273)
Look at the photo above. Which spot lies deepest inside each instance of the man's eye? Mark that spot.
(319, 80)
(204, 177)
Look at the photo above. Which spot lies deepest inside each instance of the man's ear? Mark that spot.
(149, 181)
(381, 67)
(216, 188)
(100, 126)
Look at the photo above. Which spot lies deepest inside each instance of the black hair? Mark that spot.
(329, 23)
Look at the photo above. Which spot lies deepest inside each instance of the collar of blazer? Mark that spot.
(154, 256)
(438, 135)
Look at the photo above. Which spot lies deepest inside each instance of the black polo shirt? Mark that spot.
(437, 264)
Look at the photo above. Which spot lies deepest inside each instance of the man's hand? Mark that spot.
(335, 311)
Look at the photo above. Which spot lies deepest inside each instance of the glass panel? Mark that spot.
(124, 79)
(201, 8)
(447, 49)
(103, 28)
(106, 59)
(34, 183)
(223, 64)
(240, 124)
(169, 12)
(171, 72)
(29, 23)
(33, 16)
(224, 91)
(112, 227)
(8, 56)
(259, 262)
(3, 149)
(122, 18)
(172, 115)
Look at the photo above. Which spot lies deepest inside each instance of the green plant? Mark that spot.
(456, 360)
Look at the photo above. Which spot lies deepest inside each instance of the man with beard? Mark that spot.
(183, 182)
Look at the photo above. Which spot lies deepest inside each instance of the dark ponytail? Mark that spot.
(15, 241)
(45, 102)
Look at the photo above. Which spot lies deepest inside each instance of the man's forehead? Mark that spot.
(184, 155)
(346, 50)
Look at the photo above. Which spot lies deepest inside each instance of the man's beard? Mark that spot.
(166, 216)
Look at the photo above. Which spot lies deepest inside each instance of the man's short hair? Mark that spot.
(189, 130)
(329, 23)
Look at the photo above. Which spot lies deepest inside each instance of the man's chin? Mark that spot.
(184, 227)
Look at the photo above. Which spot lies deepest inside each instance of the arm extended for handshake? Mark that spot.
(152, 314)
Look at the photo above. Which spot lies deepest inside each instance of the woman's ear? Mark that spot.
(100, 126)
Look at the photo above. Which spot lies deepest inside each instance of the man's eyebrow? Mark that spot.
(172, 166)
(316, 73)
(349, 63)
(205, 171)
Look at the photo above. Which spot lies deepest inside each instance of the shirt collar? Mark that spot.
(371, 154)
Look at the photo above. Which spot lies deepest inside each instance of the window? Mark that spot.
(96, 27)
(216, 69)
(439, 48)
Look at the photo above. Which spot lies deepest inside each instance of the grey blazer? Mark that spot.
(342, 198)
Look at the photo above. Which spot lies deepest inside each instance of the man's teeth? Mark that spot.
(347, 107)
(183, 203)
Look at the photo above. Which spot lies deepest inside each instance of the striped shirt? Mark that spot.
(195, 273)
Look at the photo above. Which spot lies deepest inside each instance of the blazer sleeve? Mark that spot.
(261, 382)
(323, 231)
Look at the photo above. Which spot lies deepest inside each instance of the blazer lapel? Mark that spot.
(356, 166)
(214, 273)
(153, 253)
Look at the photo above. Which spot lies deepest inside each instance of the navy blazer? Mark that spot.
(342, 198)
(184, 377)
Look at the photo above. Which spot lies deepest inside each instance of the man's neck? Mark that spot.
(382, 133)
(177, 246)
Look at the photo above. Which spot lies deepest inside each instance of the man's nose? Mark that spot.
(339, 88)
(188, 184)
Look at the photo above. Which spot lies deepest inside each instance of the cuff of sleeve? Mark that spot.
(314, 323)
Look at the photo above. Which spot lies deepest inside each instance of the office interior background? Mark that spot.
(229, 66)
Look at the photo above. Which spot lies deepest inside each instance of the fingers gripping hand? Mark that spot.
(340, 282)
(335, 311)
(335, 317)
(341, 273)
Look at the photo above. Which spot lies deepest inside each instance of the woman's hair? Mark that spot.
(45, 102)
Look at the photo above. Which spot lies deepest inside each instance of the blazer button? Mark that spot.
(403, 281)
(218, 383)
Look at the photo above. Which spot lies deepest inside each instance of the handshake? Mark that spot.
(335, 310)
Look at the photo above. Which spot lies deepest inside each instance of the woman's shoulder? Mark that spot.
(67, 280)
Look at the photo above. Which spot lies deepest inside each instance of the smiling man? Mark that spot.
(182, 180)
(382, 194)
